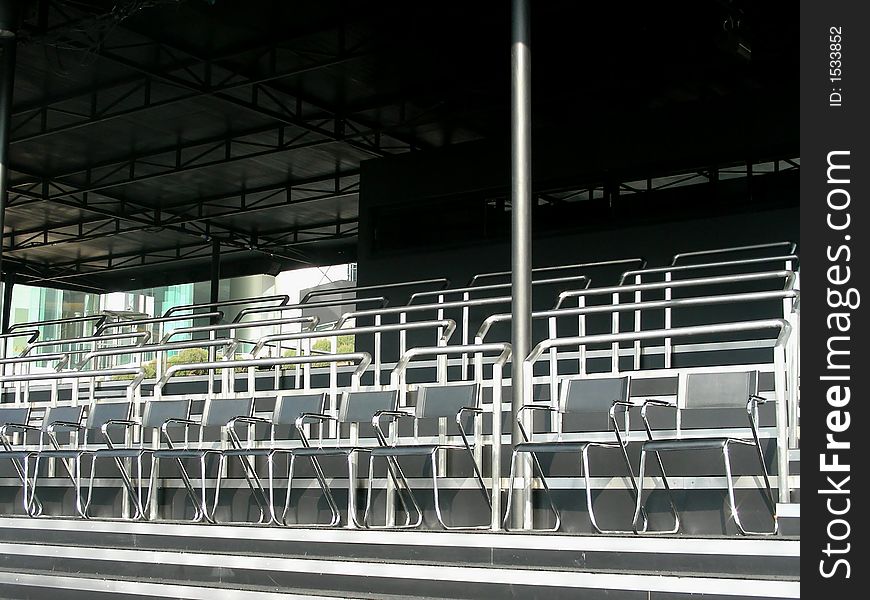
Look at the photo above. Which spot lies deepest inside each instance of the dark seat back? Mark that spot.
(289, 407)
(219, 411)
(102, 412)
(435, 401)
(62, 414)
(157, 412)
(592, 397)
(720, 390)
(360, 407)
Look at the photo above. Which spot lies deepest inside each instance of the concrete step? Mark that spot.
(91, 555)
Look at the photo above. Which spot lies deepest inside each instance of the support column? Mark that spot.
(6, 309)
(521, 223)
(8, 23)
(215, 274)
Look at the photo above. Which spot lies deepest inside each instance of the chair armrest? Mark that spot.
(188, 423)
(472, 409)
(653, 402)
(624, 404)
(312, 418)
(525, 407)
(755, 400)
(21, 428)
(247, 420)
(125, 423)
(65, 425)
(391, 414)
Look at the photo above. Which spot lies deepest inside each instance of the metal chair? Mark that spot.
(596, 400)
(56, 418)
(218, 412)
(288, 408)
(356, 407)
(155, 414)
(714, 390)
(16, 419)
(99, 415)
(433, 402)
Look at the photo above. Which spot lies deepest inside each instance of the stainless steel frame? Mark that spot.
(397, 380)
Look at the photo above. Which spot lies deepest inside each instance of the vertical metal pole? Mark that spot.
(7, 80)
(6, 307)
(521, 220)
(215, 274)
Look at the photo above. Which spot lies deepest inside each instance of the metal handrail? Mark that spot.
(139, 373)
(313, 320)
(449, 326)
(100, 319)
(283, 298)
(779, 357)
(649, 304)
(392, 310)
(266, 309)
(364, 359)
(135, 322)
(792, 249)
(144, 335)
(789, 277)
(413, 353)
(153, 348)
(34, 334)
(495, 286)
(34, 358)
(589, 265)
(385, 286)
(713, 265)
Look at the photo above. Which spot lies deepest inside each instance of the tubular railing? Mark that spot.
(280, 300)
(467, 291)
(445, 327)
(442, 281)
(588, 265)
(792, 358)
(158, 321)
(791, 249)
(31, 334)
(131, 391)
(380, 300)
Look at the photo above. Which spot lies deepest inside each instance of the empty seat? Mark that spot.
(287, 410)
(433, 402)
(714, 390)
(595, 400)
(16, 420)
(356, 407)
(218, 412)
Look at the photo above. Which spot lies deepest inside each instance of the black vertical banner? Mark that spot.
(835, 300)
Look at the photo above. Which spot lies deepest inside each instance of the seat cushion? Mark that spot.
(121, 452)
(552, 446)
(181, 453)
(419, 450)
(324, 451)
(692, 444)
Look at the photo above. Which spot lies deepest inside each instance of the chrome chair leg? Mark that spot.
(481, 484)
(587, 479)
(639, 504)
(403, 489)
(768, 495)
(547, 493)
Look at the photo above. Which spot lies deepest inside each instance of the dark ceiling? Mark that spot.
(145, 132)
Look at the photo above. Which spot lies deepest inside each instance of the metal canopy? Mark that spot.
(140, 139)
